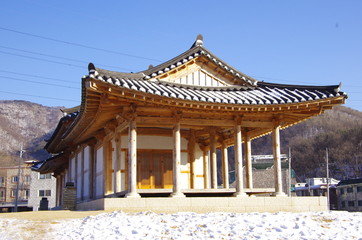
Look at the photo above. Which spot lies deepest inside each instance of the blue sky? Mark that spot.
(45, 46)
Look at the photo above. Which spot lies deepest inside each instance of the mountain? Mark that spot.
(339, 130)
(28, 124)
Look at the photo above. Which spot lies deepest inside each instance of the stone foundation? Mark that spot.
(69, 197)
(209, 204)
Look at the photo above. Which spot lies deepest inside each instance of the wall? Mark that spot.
(199, 168)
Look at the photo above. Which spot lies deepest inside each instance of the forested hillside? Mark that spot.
(339, 130)
(28, 124)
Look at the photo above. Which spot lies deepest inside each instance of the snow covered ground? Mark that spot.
(188, 225)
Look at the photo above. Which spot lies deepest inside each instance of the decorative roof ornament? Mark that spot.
(337, 89)
(199, 41)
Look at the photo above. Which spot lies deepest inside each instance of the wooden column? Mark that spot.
(107, 166)
(62, 185)
(191, 157)
(59, 189)
(117, 165)
(248, 164)
(225, 166)
(238, 162)
(213, 158)
(92, 170)
(206, 169)
(82, 173)
(132, 159)
(277, 162)
(177, 161)
(75, 174)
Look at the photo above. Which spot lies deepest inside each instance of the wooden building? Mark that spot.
(157, 131)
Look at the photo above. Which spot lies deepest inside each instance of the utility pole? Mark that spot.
(327, 179)
(17, 183)
(290, 174)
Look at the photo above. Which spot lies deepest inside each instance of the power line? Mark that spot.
(37, 76)
(30, 81)
(29, 95)
(99, 49)
(78, 44)
(63, 58)
(41, 59)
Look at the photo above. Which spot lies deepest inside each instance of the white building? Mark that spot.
(42, 185)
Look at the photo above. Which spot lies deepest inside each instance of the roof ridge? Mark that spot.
(196, 50)
(335, 88)
(95, 71)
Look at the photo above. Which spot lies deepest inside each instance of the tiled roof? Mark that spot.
(191, 54)
(196, 50)
(248, 92)
(263, 93)
(60, 127)
(50, 164)
(350, 181)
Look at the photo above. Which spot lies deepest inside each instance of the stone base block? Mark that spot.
(208, 204)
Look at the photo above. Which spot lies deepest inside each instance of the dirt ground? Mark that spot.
(50, 215)
(37, 224)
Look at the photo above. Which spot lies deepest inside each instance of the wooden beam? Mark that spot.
(202, 122)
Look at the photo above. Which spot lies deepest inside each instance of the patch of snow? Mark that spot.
(189, 225)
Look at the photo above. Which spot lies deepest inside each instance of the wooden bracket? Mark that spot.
(238, 119)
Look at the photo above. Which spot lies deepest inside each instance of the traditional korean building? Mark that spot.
(155, 133)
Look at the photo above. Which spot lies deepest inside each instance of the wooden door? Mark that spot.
(154, 169)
